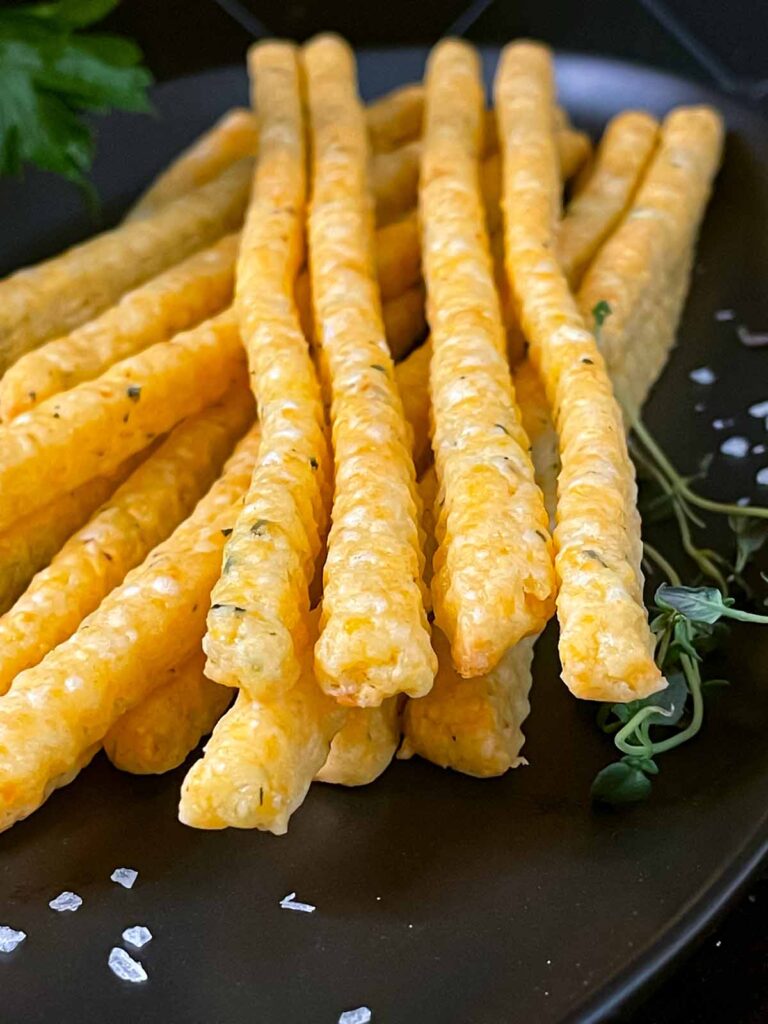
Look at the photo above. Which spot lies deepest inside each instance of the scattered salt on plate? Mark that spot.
(735, 446)
(722, 424)
(759, 410)
(66, 901)
(289, 902)
(137, 936)
(124, 966)
(703, 375)
(723, 315)
(758, 449)
(762, 476)
(10, 938)
(752, 339)
(125, 877)
(362, 1015)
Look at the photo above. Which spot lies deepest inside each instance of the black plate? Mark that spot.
(441, 900)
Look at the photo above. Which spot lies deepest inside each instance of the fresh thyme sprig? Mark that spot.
(688, 624)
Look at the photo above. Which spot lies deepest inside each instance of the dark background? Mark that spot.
(721, 42)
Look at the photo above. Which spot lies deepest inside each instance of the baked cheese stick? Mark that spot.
(89, 430)
(53, 297)
(606, 646)
(364, 745)
(260, 761)
(30, 544)
(234, 136)
(56, 715)
(643, 269)
(141, 513)
(374, 641)
(173, 301)
(157, 735)
(257, 625)
(494, 576)
(625, 149)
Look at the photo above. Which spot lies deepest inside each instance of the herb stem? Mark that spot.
(677, 483)
(693, 679)
(661, 562)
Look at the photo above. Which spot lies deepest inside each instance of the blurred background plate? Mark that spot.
(441, 899)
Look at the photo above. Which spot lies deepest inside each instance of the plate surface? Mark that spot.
(441, 899)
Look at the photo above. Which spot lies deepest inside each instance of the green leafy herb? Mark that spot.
(689, 621)
(51, 73)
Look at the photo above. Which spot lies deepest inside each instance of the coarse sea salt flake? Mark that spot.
(735, 446)
(362, 1015)
(759, 410)
(722, 424)
(723, 315)
(66, 901)
(10, 938)
(703, 375)
(125, 877)
(139, 935)
(758, 449)
(762, 476)
(289, 902)
(124, 966)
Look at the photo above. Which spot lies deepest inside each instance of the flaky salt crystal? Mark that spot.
(737, 447)
(723, 315)
(722, 424)
(762, 476)
(137, 936)
(289, 902)
(362, 1015)
(124, 966)
(10, 938)
(125, 877)
(66, 901)
(759, 409)
(702, 375)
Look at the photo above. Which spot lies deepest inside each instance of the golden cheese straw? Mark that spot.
(257, 625)
(56, 715)
(142, 512)
(643, 269)
(374, 641)
(620, 162)
(606, 646)
(475, 725)
(364, 746)
(29, 544)
(171, 302)
(395, 118)
(260, 761)
(53, 297)
(89, 430)
(494, 576)
(155, 736)
(234, 136)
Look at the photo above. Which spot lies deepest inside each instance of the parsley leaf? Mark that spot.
(50, 74)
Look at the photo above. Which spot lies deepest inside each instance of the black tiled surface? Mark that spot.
(726, 979)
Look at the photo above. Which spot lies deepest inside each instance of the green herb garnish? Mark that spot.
(51, 74)
(134, 392)
(689, 622)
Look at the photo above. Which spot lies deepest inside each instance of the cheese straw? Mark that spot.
(494, 577)
(89, 430)
(606, 646)
(258, 622)
(373, 640)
